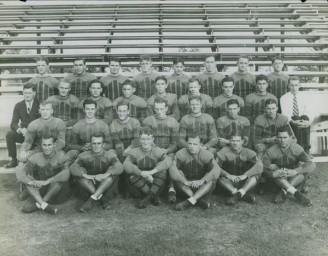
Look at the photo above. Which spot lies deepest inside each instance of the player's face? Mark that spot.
(29, 94)
(160, 109)
(160, 86)
(79, 67)
(123, 112)
(194, 145)
(195, 106)
(262, 85)
(64, 89)
(97, 144)
(271, 110)
(209, 64)
(128, 90)
(294, 86)
(278, 65)
(42, 67)
(227, 88)
(194, 88)
(114, 67)
(145, 66)
(233, 110)
(90, 110)
(46, 111)
(178, 68)
(96, 90)
(48, 146)
(284, 139)
(242, 64)
(146, 141)
(236, 142)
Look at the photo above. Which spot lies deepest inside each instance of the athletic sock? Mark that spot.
(242, 192)
(100, 196)
(234, 192)
(192, 200)
(94, 197)
(291, 190)
(42, 206)
(172, 190)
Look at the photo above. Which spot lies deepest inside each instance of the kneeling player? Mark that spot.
(194, 172)
(96, 172)
(288, 164)
(45, 176)
(241, 170)
(147, 166)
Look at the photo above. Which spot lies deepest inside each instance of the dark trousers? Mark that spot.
(302, 134)
(12, 138)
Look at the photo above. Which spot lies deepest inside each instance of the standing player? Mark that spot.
(232, 123)
(240, 172)
(172, 102)
(24, 113)
(114, 80)
(288, 165)
(45, 84)
(210, 79)
(220, 102)
(79, 79)
(194, 90)
(244, 81)
(147, 166)
(145, 81)
(96, 171)
(45, 176)
(194, 172)
(198, 123)
(104, 105)
(178, 81)
(294, 106)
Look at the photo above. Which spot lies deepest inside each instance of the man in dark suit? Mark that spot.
(24, 113)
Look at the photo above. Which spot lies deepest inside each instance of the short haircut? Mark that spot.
(123, 103)
(195, 97)
(243, 57)
(47, 136)
(293, 78)
(114, 60)
(161, 100)
(285, 129)
(45, 59)
(270, 101)
(146, 130)
(227, 79)
(78, 59)
(178, 60)
(63, 81)
(261, 78)
(96, 81)
(161, 78)
(233, 101)
(210, 56)
(277, 58)
(145, 57)
(193, 135)
(129, 82)
(89, 102)
(97, 135)
(193, 79)
(29, 86)
(235, 134)
(45, 102)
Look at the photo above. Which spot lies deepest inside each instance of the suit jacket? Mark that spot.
(20, 114)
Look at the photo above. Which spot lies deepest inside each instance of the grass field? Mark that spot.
(263, 229)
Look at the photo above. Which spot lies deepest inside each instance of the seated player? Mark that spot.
(45, 84)
(24, 113)
(198, 123)
(145, 81)
(80, 79)
(178, 81)
(138, 107)
(220, 102)
(241, 170)
(255, 102)
(194, 172)
(165, 132)
(288, 165)
(194, 90)
(232, 123)
(210, 79)
(45, 176)
(172, 101)
(114, 80)
(96, 171)
(147, 167)
(104, 105)
(45, 125)
(244, 81)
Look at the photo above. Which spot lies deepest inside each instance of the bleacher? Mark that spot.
(99, 30)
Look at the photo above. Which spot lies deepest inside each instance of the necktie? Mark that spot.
(295, 106)
(28, 110)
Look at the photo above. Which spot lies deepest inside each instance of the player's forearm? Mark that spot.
(212, 142)
(164, 164)
(256, 169)
(22, 176)
(116, 169)
(182, 143)
(307, 167)
(62, 176)
(130, 168)
(213, 174)
(172, 148)
(76, 170)
(176, 175)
